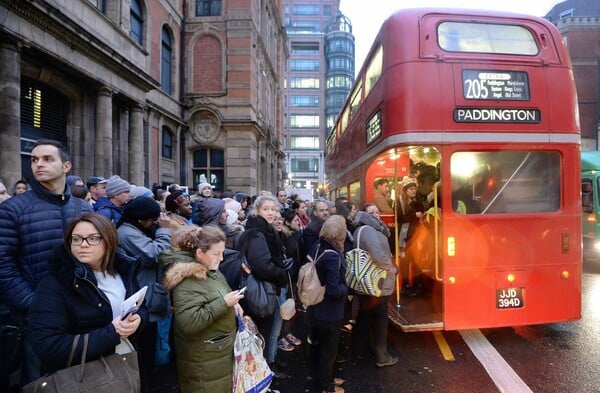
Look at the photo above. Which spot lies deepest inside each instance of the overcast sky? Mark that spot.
(368, 15)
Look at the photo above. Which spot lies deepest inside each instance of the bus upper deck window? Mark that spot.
(486, 38)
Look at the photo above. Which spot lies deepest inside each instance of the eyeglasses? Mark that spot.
(92, 240)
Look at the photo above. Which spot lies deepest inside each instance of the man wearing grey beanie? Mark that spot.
(117, 195)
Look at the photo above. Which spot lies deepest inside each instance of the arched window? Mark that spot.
(167, 143)
(136, 21)
(166, 67)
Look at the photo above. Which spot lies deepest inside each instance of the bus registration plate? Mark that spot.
(509, 298)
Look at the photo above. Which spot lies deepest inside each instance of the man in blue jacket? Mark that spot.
(31, 226)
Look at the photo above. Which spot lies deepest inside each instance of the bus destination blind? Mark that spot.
(495, 85)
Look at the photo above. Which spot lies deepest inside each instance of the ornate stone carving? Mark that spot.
(205, 130)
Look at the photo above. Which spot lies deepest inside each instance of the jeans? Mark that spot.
(275, 329)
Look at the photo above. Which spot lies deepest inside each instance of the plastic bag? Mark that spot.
(251, 373)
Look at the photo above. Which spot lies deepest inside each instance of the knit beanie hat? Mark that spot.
(141, 208)
(232, 204)
(408, 182)
(137, 191)
(116, 186)
(204, 185)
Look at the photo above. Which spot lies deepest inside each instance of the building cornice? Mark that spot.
(54, 22)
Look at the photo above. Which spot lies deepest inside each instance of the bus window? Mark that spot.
(355, 194)
(374, 70)
(587, 196)
(355, 99)
(505, 182)
(486, 38)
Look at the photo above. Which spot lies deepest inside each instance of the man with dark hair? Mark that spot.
(320, 213)
(31, 226)
(381, 195)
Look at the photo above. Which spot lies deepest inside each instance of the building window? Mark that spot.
(136, 20)
(304, 83)
(327, 10)
(208, 7)
(305, 48)
(305, 165)
(305, 65)
(304, 121)
(209, 167)
(305, 101)
(166, 68)
(305, 142)
(339, 81)
(99, 4)
(306, 9)
(167, 143)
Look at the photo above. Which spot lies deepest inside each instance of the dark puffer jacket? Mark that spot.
(31, 226)
(68, 302)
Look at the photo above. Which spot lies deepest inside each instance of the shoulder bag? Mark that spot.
(362, 274)
(111, 374)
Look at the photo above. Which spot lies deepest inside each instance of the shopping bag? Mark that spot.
(251, 373)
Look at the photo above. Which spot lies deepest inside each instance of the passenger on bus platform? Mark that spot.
(382, 195)
(411, 212)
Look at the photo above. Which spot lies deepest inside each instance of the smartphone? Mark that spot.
(241, 291)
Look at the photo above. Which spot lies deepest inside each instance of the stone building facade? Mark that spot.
(156, 91)
(579, 24)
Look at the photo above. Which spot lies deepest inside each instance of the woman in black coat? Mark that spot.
(264, 251)
(83, 293)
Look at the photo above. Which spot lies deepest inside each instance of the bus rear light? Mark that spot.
(510, 278)
(452, 280)
(565, 274)
(565, 242)
(451, 246)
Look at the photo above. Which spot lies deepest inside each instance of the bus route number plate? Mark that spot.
(509, 298)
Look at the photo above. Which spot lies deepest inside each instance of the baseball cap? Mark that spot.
(92, 181)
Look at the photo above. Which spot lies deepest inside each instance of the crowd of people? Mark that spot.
(71, 251)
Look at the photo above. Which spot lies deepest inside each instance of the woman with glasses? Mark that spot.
(87, 283)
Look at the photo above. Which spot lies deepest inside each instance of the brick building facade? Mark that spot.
(155, 91)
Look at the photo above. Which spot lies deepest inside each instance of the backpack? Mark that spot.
(310, 290)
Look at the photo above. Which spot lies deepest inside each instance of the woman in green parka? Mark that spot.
(204, 313)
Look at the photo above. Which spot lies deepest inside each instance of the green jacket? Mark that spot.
(204, 328)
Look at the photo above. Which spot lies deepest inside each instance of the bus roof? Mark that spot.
(590, 160)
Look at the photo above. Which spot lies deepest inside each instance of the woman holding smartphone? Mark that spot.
(204, 313)
(83, 293)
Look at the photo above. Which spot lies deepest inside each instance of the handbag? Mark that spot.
(260, 298)
(251, 373)
(111, 374)
(287, 309)
(362, 274)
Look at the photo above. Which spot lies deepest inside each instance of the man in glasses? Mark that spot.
(31, 226)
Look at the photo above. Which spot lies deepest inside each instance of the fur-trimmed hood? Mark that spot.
(179, 271)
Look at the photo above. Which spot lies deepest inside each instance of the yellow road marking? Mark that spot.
(444, 347)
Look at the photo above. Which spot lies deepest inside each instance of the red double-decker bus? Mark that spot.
(480, 108)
